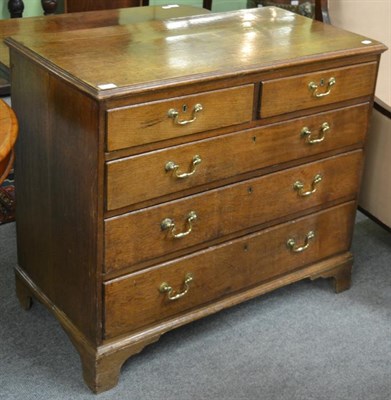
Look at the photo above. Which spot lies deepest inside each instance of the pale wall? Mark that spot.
(371, 18)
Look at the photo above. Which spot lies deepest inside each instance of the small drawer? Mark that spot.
(280, 96)
(148, 176)
(161, 120)
(141, 299)
(169, 227)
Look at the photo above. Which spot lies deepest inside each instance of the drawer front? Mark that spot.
(157, 121)
(280, 96)
(134, 301)
(135, 179)
(140, 236)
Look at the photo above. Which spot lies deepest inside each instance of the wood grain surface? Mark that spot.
(51, 25)
(190, 49)
(137, 236)
(230, 155)
(293, 93)
(134, 301)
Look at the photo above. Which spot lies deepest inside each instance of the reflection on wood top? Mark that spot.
(85, 20)
(156, 53)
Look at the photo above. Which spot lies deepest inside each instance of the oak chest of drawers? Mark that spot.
(226, 167)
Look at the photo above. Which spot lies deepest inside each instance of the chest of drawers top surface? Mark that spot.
(156, 53)
(54, 24)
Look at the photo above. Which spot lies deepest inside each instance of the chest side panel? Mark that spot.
(58, 190)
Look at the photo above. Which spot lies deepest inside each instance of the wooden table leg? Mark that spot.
(16, 8)
(49, 6)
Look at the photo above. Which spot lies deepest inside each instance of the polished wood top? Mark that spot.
(84, 20)
(8, 129)
(153, 54)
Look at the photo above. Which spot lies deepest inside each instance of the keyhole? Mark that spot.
(250, 190)
(254, 139)
(322, 82)
(184, 108)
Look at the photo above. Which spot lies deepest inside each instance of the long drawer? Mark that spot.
(143, 298)
(165, 119)
(284, 95)
(135, 179)
(160, 230)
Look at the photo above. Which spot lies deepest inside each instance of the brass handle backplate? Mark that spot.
(307, 134)
(174, 114)
(171, 294)
(169, 224)
(291, 243)
(299, 186)
(314, 87)
(172, 166)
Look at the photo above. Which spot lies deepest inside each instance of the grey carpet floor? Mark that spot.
(302, 342)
